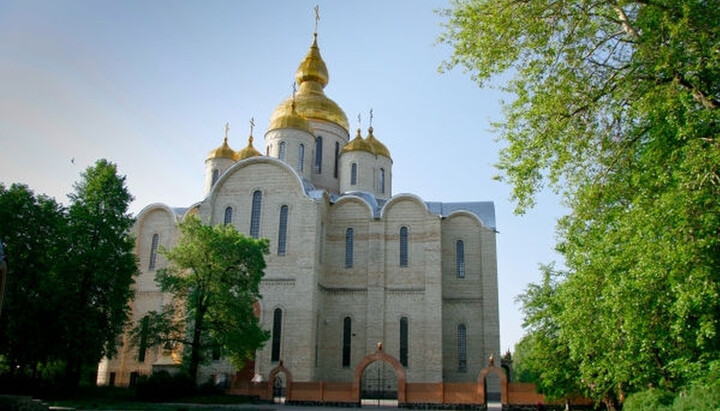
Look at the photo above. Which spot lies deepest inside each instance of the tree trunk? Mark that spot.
(196, 344)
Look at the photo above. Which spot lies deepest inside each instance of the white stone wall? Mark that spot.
(293, 139)
(331, 134)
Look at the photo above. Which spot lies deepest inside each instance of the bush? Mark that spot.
(161, 386)
(650, 400)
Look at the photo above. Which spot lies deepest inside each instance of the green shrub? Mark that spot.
(649, 400)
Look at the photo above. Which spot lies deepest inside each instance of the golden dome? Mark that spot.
(310, 100)
(290, 120)
(248, 151)
(224, 151)
(313, 68)
(377, 147)
(357, 144)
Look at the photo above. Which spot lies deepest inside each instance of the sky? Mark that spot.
(149, 85)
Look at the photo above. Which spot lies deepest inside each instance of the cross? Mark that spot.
(227, 129)
(252, 124)
(371, 117)
(317, 16)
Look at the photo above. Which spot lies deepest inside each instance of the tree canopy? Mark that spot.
(616, 105)
(69, 276)
(213, 276)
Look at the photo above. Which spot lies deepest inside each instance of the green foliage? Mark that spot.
(70, 274)
(213, 275)
(617, 106)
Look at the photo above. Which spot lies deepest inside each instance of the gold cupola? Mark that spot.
(376, 146)
(224, 151)
(311, 101)
(357, 144)
(248, 151)
(291, 120)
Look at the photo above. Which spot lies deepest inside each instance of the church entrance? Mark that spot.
(379, 385)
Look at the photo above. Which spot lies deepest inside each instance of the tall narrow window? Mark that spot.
(460, 258)
(404, 341)
(228, 215)
(215, 175)
(282, 149)
(276, 335)
(153, 251)
(353, 173)
(144, 324)
(301, 157)
(349, 248)
(381, 181)
(318, 154)
(255, 215)
(347, 345)
(337, 158)
(403, 246)
(282, 231)
(462, 348)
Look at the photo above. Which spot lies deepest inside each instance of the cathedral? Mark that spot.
(351, 268)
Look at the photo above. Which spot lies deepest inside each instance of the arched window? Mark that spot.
(228, 215)
(282, 150)
(403, 246)
(460, 258)
(282, 231)
(353, 174)
(462, 348)
(349, 233)
(404, 341)
(153, 251)
(347, 344)
(276, 335)
(381, 181)
(301, 157)
(255, 214)
(215, 175)
(337, 157)
(318, 154)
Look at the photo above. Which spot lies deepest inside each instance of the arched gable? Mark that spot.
(399, 199)
(247, 164)
(288, 383)
(492, 369)
(472, 216)
(346, 200)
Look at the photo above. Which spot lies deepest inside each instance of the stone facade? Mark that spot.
(350, 265)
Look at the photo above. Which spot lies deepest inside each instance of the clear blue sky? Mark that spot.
(150, 85)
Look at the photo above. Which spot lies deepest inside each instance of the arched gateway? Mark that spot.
(278, 387)
(379, 355)
(482, 383)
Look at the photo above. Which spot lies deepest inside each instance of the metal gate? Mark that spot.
(379, 385)
(279, 389)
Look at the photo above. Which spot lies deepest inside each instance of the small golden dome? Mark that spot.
(357, 144)
(291, 120)
(313, 68)
(310, 100)
(377, 147)
(224, 151)
(248, 151)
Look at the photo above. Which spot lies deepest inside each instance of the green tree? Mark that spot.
(33, 230)
(542, 356)
(99, 270)
(616, 106)
(213, 275)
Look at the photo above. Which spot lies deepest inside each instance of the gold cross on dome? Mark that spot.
(227, 129)
(252, 124)
(371, 117)
(317, 16)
